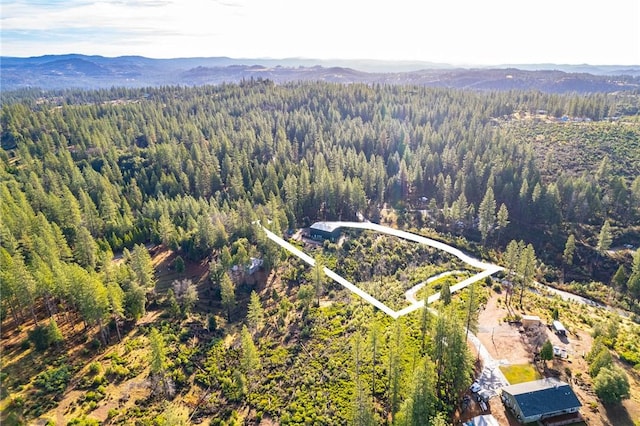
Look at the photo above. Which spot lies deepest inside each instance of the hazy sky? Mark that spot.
(453, 31)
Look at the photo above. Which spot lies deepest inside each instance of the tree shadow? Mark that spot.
(618, 415)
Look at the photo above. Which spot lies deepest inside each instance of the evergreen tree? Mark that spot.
(142, 266)
(526, 269)
(445, 293)
(604, 238)
(161, 383)
(620, 278)
(634, 279)
(419, 408)
(250, 360)
(255, 313)
(502, 218)
(546, 353)
(227, 294)
(318, 278)
(569, 250)
(487, 214)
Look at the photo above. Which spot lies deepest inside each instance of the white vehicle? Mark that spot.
(475, 387)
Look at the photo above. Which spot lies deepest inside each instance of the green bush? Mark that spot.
(94, 368)
(630, 357)
(54, 380)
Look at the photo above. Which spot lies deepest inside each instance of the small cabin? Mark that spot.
(559, 329)
(530, 321)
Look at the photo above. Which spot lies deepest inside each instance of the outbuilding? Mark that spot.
(559, 329)
(530, 321)
(540, 399)
(325, 231)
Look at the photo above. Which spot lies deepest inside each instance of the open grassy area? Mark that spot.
(520, 373)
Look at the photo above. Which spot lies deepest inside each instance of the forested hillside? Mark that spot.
(95, 185)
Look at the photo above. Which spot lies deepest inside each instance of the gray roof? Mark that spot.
(558, 326)
(543, 396)
(325, 226)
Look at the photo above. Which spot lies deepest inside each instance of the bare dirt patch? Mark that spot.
(506, 342)
(503, 340)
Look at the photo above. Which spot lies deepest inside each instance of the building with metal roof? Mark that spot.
(540, 399)
(325, 231)
(559, 328)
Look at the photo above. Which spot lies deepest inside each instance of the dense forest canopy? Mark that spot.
(85, 175)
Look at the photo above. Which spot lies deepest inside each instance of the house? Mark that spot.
(530, 321)
(540, 399)
(559, 329)
(325, 231)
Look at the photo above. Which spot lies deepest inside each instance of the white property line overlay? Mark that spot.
(487, 268)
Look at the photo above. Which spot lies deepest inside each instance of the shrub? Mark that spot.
(40, 338)
(95, 344)
(54, 380)
(611, 385)
(94, 368)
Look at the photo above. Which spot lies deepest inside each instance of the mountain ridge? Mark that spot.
(94, 71)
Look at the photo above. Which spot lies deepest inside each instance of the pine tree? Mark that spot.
(604, 238)
(445, 293)
(487, 214)
(227, 294)
(634, 279)
(161, 383)
(526, 269)
(55, 335)
(546, 353)
(620, 278)
(255, 313)
(503, 219)
(250, 360)
(362, 408)
(419, 407)
(318, 278)
(569, 250)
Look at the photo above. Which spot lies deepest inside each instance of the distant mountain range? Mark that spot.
(92, 72)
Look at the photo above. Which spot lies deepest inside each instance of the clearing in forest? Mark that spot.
(393, 291)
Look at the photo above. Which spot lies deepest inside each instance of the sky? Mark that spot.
(460, 32)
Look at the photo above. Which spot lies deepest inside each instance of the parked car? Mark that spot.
(475, 387)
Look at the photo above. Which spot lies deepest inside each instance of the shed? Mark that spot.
(540, 399)
(558, 328)
(530, 321)
(325, 231)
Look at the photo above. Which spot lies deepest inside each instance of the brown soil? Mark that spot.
(505, 342)
(502, 340)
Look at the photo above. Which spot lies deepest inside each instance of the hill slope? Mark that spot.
(91, 72)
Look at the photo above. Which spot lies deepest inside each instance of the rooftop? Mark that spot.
(558, 326)
(325, 226)
(548, 395)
